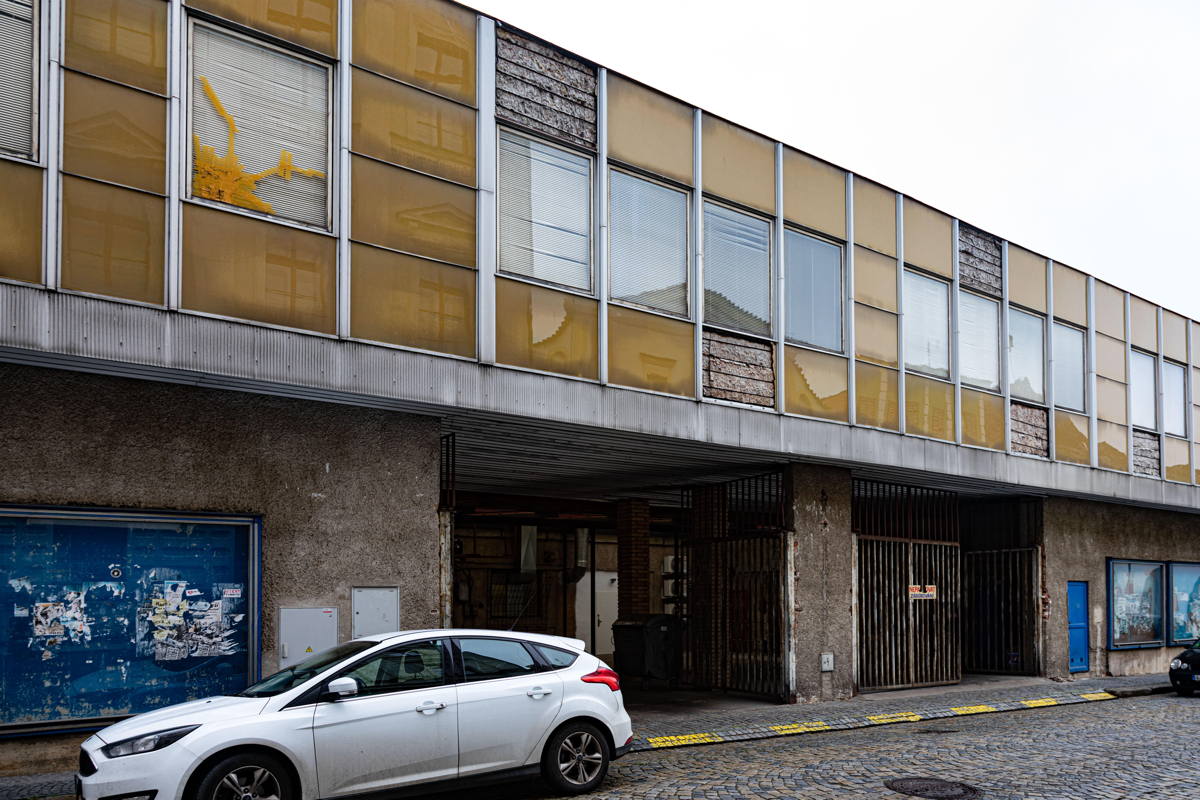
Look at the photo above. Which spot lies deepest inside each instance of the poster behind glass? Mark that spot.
(109, 618)
(1136, 603)
(1185, 603)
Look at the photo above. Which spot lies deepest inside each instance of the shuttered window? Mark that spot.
(926, 325)
(814, 291)
(544, 208)
(260, 128)
(647, 243)
(737, 270)
(16, 76)
(979, 341)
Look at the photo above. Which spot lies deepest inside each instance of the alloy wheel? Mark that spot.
(580, 758)
(248, 783)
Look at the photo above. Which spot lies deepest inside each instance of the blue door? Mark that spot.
(1077, 624)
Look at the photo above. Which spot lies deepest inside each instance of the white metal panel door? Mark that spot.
(304, 632)
(375, 609)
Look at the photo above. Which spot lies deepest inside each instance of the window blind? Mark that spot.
(737, 270)
(814, 291)
(647, 243)
(926, 325)
(1026, 356)
(16, 77)
(1068, 367)
(1143, 390)
(979, 341)
(1174, 400)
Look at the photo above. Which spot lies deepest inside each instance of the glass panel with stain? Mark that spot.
(875, 335)
(428, 43)
(1071, 438)
(927, 238)
(876, 396)
(928, 407)
(308, 23)
(1026, 278)
(874, 279)
(739, 165)
(982, 419)
(257, 270)
(414, 213)
(112, 240)
(815, 384)
(546, 330)
(410, 301)
(1143, 324)
(1177, 459)
(20, 222)
(1110, 357)
(1111, 403)
(649, 129)
(124, 40)
(1110, 310)
(113, 133)
(1069, 367)
(647, 351)
(874, 216)
(1113, 445)
(1070, 295)
(1174, 378)
(1174, 344)
(814, 193)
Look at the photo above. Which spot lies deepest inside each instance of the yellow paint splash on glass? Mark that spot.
(899, 716)
(683, 740)
(800, 727)
(223, 178)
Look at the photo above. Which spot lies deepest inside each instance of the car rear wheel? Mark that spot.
(576, 758)
(247, 776)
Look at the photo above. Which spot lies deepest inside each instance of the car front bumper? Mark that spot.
(1184, 679)
(159, 775)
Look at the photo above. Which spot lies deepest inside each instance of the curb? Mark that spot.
(798, 727)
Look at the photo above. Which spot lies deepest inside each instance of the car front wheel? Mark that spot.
(576, 758)
(247, 776)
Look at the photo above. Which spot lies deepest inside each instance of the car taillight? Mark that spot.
(606, 676)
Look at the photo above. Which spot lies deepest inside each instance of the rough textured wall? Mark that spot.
(823, 559)
(542, 88)
(1145, 453)
(1030, 430)
(1079, 536)
(739, 369)
(979, 261)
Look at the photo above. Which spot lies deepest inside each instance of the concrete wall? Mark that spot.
(543, 88)
(1078, 538)
(824, 573)
(739, 368)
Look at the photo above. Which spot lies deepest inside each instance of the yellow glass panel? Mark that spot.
(1113, 446)
(1111, 400)
(874, 216)
(406, 126)
(308, 23)
(928, 407)
(876, 396)
(875, 335)
(20, 222)
(428, 43)
(814, 193)
(125, 40)
(738, 164)
(1177, 456)
(651, 352)
(1071, 437)
(112, 240)
(1196, 423)
(1026, 278)
(546, 330)
(410, 301)
(113, 133)
(1070, 295)
(240, 267)
(815, 384)
(1110, 357)
(1110, 310)
(928, 238)
(649, 129)
(415, 213)
(982, 419)
(1174, 342)
(874, 279)
(1143, 324)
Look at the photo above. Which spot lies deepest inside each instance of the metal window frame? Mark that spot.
(487, 235)
(46, 51)
(770, 336)
(1084, 366)
(785, 229)
(848, 320)
(955, 356)
(901, 370)
(778, 303)
(1048, 358)
(697, 247)
(1089, 386)
(600, 224)
(1109, 564)
(1042, 318)
(949, 377)
(998, 388)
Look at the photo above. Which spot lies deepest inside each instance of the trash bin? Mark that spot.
(648, 648)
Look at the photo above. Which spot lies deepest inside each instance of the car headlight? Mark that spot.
(1176, 664)
(147, 742)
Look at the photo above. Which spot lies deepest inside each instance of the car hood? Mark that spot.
(196, 712)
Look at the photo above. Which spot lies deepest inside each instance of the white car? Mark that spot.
(378, 715)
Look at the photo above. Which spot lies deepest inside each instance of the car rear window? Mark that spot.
(557, 658)
(485, 659)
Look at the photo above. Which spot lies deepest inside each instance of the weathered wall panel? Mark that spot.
(1030, 430)
(739, 369)
(979, 261)
(1145, 453)
(542, 88)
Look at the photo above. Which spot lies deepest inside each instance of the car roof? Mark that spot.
(543, 638)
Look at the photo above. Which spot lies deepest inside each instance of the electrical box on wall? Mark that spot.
(375, 609)
(826, 662)
(304, 632)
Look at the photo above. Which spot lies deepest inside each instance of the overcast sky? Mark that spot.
(1067, 126)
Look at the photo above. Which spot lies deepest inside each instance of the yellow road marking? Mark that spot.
(801, 727)
(683, 739)
(898, 716)
(972, 709)
(1098, 696)
(1044, 701)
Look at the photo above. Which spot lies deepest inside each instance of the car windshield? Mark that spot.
(296, 674)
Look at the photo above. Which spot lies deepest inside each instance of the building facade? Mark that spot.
(324, 317)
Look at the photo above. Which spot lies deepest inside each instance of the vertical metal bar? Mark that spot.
(342, 195)
(176, 151)
(1004, 347)
(1160, 398)
(1128, 386)
(592, 591)
(485, 177)
(50, 137)
(1049, 359)
(1189, 416)
(901, 380)
(848, 305)
(601, 225)
(778, 261)
(1090, 387)
(955, 366)
(698, 249)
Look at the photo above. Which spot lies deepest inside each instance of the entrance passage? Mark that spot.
(1000, 596)
(909, 586)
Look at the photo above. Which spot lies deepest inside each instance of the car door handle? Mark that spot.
(429, 707)
(538, 692)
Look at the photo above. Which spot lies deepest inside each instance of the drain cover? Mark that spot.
(933, 788)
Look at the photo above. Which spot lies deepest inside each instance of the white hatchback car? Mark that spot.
(391, 714)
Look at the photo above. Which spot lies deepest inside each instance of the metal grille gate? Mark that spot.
(1000, 610)
(733, 549)
(907, 537)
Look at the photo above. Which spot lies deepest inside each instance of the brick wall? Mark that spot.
(542, 88)
(739, 369)
(633, 559)
(979, 260)
(1030, 430)
(1145, 453)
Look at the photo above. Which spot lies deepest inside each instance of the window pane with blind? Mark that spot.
(260, 128)
(737, 270)
(814, 291)
(1143, 390)
(1068, 367)
(545, 212)
(1174, 399)
(979, 341)
(16, 77)
(647, 243)
(1026, 356)
(926, 325)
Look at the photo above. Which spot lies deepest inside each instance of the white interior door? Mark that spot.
(606, 612)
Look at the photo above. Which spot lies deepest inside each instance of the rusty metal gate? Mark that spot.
(1000, 609)
(909, 586)
(733, 619)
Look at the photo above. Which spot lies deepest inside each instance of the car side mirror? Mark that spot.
(339, 688)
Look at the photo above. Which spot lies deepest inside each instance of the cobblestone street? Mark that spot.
(1139, 747)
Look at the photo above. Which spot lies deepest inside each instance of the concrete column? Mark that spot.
(633, 559)
(824, 572)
